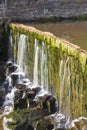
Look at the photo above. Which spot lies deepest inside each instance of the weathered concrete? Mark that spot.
(26, 10)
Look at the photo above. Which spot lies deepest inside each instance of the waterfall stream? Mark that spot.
(35, 78)
(44, 68)
(21, 51)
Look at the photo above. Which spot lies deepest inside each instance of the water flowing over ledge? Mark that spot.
(50, 81)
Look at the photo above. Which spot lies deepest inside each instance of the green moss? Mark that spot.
(83, 59)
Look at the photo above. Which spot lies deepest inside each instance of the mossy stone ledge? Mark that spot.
(62, 55)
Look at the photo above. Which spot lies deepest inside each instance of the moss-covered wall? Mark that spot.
(67, 68)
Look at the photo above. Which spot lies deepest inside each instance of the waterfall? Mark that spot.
(37, 90)
(44, 68)
(67, 113)
(21, 51)
(35, 73)
(62, 78)
(64, 75)
(68, 92)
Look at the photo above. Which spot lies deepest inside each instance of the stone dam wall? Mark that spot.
(66, 63)
(26, 10)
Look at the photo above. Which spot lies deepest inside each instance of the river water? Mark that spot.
(75, 32)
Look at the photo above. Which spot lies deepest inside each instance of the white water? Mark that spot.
(8, 107)
(67, 114)
(21, 51)
(64, 75)
(44, 68)
(35, 73)
(62, 78)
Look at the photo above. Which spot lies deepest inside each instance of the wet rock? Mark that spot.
(46, 123)
(8, 63)
(36, 90)
(18, 94)
(20, 104)
(49, 102)
(33, 104)
(1, 101)
(53, 104)
(31, 94)
(12, 68)
(24, 127)
(20, 86)
(50, 126)
(2, 94)
(2, 72)
(26, 118)
(6, 85)
(16, 77)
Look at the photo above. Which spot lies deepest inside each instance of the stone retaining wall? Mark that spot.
(67, 67)
(26, 10)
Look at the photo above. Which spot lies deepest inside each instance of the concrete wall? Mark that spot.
(25, 10)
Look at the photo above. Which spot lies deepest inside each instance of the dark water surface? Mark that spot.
(75, 32)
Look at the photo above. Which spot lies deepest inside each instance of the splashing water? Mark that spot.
(9, 101)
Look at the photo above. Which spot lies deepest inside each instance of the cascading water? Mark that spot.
(35, 73)
(61, 84)
(68, 94)
(64, 109)
(21, 51)
(44, 68)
